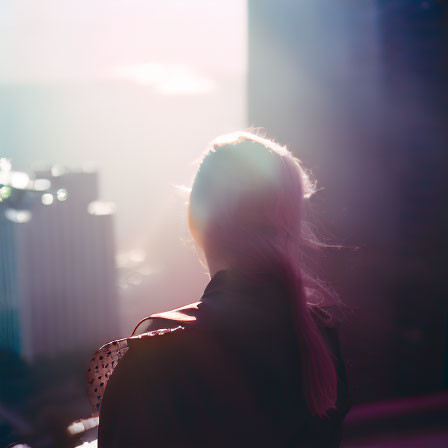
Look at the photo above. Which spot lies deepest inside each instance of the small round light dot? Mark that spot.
(47, 199)
(61, 194)
(5, 192)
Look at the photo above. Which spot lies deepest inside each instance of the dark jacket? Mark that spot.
(227, 374)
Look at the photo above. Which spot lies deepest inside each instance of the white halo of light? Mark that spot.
(19, 180)
(100, 208)
(18, 216)
(42, 184)
(166, 79)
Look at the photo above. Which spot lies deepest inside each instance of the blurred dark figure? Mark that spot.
(256, 361)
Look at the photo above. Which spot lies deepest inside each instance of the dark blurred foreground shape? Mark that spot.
(227, 373)
(58, 298)
(359, 91)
